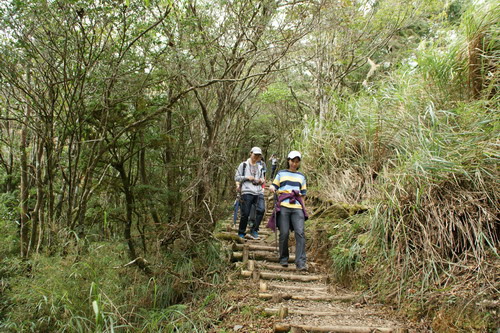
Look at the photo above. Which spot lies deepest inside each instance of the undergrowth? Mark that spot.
(420, 148)
(99, 292)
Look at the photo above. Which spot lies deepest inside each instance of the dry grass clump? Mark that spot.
(423, 153)
(449, 220)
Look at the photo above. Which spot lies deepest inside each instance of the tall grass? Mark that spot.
(422, 149)
(97, 293)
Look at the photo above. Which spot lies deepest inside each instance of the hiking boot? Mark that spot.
(255, 235)
(302, 268)
(241, 235)
(252, 236)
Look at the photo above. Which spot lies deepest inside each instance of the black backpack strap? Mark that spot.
(243, 173)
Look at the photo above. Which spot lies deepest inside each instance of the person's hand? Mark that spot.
(272, 189)
(262, 181)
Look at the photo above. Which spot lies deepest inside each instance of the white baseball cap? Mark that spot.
(294, 154)
(256, 151)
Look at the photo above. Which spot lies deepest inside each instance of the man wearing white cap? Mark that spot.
(250, 176)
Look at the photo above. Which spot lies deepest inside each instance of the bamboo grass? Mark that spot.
(423, 152)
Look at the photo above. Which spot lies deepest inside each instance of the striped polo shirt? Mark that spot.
(286, 181)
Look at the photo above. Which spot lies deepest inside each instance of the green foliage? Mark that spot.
(170, 319)
(97, 293)
(455, 10)
(444, 73)
(346, 255)
(9, 225)
(63, 293)
(276, 92)
(346, 230)
(113, 112)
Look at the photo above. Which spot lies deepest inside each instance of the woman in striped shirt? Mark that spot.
(290, 185)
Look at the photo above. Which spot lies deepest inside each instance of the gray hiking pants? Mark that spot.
(292, 217)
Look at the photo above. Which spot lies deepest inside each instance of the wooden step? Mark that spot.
(233, 236)
(283, 327)
(275, 267)
(290, 277)
(280, 296)
(261, 255)
(229, 236)
(301, 312)
(257, 247)
(262, 265)
(234, 228)
(264, 286)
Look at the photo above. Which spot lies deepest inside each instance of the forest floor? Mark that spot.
(266, 297)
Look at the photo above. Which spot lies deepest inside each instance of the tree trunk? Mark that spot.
(38, 212)
(49, 151)
(129, 208)
(24, 181)
(145, 181)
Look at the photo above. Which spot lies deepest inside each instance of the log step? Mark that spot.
(261, 256)
(255, 247)
(229, 236)
(282, 327)
(274, 311)
(264, 286)
(234, 229)
(290, 277)
(279, 296)
(278, 267)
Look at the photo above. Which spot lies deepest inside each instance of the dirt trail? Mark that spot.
(298, 301)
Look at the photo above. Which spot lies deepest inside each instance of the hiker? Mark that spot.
(253, 210)
(274, 164)
(290, 185)
(250, 175)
